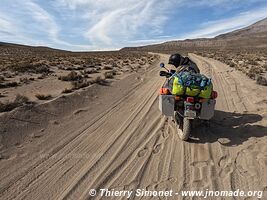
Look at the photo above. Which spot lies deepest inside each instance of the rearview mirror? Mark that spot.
(162, 65)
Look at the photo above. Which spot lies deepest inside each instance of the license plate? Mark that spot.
(190, 114)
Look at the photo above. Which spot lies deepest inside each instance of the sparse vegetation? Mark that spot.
(72, 76)
(29, 67)
(97, 80)
(2, 79)
(110, 74)
(67, 90)
(80, 84)
(43, 96)
(25, 80)
(108, 68)
(8, 106)
(35, 67)
(261, 80)
(251, 62)
(8, 85)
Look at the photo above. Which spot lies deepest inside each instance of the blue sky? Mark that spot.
(113, 24)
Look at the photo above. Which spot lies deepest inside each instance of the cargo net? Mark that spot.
(190, 84)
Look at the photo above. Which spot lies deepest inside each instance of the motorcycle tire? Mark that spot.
(185, 130)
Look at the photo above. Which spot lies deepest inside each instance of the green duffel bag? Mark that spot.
(191, 84)
(192, 91)
(177, 88)
(206, 92)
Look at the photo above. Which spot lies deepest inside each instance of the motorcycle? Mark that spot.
(184, 109)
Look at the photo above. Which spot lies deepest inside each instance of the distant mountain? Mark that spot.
(34, 48)
(258, 29)
(253, 36)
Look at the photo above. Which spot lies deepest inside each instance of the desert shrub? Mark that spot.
(79, 68)
(253, 71)
(265, 66)
(29, 67)
(261, 80)
(80, 84)
(8, 75)
(42, 76)
(98, 80)
(67, 90)
(90, 71)
(24, 80)
(109, 74)
(107, 67)
(69, 68)
(8, 85)
(2, 79)
(8, 106)
(253, 62)
(43, 96)
(114, 65)
(72, 76)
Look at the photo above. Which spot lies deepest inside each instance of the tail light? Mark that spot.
(177, 98)
(214, 95)
(190, 99)
(164, 91)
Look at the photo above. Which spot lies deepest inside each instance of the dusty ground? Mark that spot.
(252, 62)
(40, 74)
(115, 137)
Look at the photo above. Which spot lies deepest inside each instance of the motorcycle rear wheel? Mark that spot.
(184, 129)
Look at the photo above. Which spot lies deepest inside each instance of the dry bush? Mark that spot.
(67, 90)
(2, 79)
(43, 96)
(19, 101)
(8, 85)
(42, 76)
(72, 76)
(90, 71)
(108, 68)
(261, 80)
(252, 62)
(97, 80)
(110, 74)
(24, 80)
(253, 72)
(231, 64)
(80, 84)
(29, 67)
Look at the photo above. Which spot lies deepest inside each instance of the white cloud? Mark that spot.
(214, 28)
(114, 23)
(39, 22)
(5, 24)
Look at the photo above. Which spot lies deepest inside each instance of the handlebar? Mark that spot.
(167, 74)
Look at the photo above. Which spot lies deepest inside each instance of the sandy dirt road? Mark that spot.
(117, 139)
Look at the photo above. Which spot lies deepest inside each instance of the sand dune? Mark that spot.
(115, 137)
